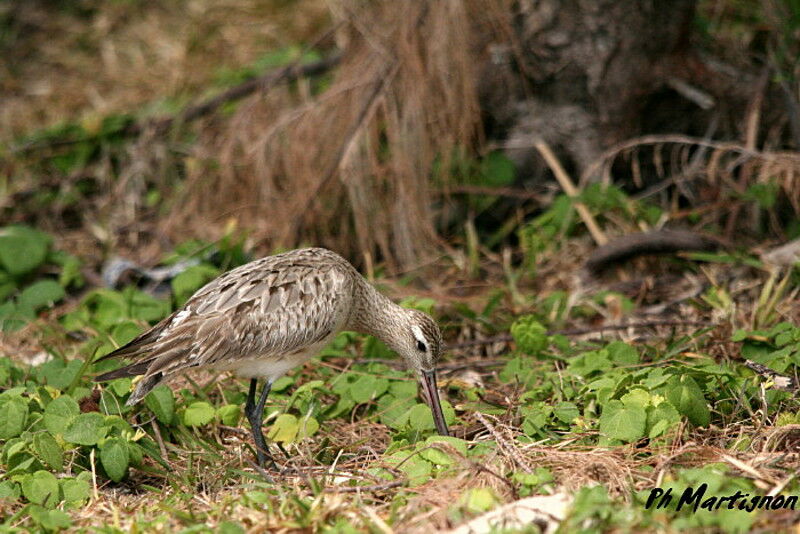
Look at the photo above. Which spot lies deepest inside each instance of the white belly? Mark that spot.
(271, 368)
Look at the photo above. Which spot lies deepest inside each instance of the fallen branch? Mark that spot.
(656, 242)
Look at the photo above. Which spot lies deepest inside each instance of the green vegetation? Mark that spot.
(65, 440)
(545, 393)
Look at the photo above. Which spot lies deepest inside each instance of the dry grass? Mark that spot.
(350, 167)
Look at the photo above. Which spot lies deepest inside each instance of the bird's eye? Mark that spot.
(421, 346)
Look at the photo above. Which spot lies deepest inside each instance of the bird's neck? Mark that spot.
(375, 314)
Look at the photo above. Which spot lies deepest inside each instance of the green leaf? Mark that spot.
(186, 283)
(368, 387)
(498, 169)
(41, 487)
(41, 294)
(307, 426)
(125, 332)
(530, 335)
(478, 500)
(22, 249)
(145, 307)
(120, 387)
(75, 490)
(626, 423)
(687, 397)
(417, 469)
(13, 416)
(566, 412)
(660, 418)
(50, 519)
(229, 414)
(60, 413)
(58, 373)
(198, 414)
(86, 429)
(161, 402)
(48, 450)
(622, 354)
(442, 455)
(229, 527)
(636, 397)
(284, 429)
(114, 457)
(9, 490)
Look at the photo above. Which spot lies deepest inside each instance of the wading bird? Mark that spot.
(270, 315)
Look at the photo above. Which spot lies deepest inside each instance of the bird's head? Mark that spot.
(420, 344)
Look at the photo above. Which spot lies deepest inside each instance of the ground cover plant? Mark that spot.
(605, 415)
(579, 370)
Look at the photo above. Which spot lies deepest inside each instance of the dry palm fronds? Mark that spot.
(350, 167)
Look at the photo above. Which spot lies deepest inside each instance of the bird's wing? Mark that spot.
(262, 309)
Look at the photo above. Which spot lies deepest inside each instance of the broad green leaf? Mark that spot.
(125, 331)
(420, 416)
(41, 487)
(41, 294)
(437, 456)
(48, 450)
(162, 403)
(86, 429)
(307, 426)
(144, 307)
(114, 457)
(50, 520)
(530, 335)
(120, 386)
(498, 169)
(478, 500)
(9, 490)
(60, 413)
(687, 397)
(636, 397)
(566, 412)
(368, 387)
(229, 414)
(198, 414)
(190, 280)
(660, 418)
(417, 469)
(58, 373)
(622, 354)
(13, 416)
(229, 527)
(284, 429)
(626, 423)
(75, 490)
(22, 249)
(393, 409)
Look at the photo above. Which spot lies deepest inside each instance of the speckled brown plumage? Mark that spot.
(272, 314)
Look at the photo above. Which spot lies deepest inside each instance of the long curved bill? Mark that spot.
(432, 394)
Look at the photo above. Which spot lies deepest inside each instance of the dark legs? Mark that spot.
(255, 414)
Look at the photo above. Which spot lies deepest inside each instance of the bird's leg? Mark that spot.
(255, 414)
